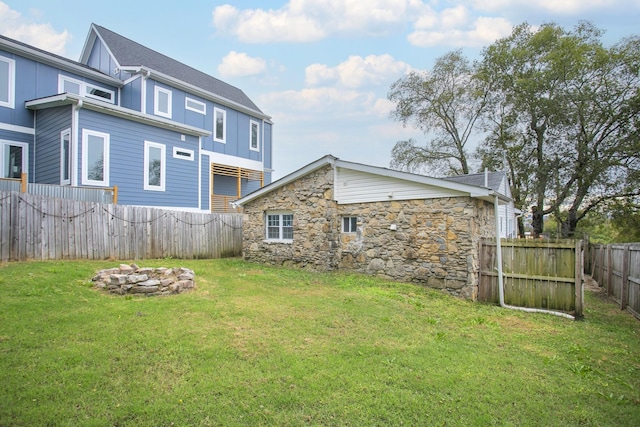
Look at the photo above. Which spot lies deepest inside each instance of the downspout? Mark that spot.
(500, 274)
(75, 142)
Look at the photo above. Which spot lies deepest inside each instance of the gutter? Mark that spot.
(501, 279)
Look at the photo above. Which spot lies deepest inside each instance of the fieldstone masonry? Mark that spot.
(131, 279)
(434, 242)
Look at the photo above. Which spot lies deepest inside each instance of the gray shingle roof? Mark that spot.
(477, 179)
(130, 53)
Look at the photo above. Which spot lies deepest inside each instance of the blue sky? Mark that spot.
(320, 68)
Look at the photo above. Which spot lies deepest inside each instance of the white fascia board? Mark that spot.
(57, 62)
(114, 110)
(326, 160)
(225, 159)
(171, 81)
(471, 190)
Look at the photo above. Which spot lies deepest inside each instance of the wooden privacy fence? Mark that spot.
(40, 227)
(616, 267)
(537, 273)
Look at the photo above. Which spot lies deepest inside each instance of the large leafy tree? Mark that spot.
(563, 117)
(446, 104)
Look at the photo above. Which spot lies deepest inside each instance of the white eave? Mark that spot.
(113, 110)
(58, 62)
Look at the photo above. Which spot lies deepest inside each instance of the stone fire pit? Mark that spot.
(131, 279)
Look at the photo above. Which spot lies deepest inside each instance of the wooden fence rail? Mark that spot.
(537, 274)
(42, 228)
(616, 267)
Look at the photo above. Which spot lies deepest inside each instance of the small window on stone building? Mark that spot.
(349, 224)
(279, 226)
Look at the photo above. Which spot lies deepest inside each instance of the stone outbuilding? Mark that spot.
(338, 215)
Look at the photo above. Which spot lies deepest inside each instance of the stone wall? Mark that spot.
(432, 242)
(131, 279)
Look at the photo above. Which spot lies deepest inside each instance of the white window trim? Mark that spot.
(203, 110)
(163, 166)
(25, 155)
(156, 106)
(224, 125)
(11, 83)
(85, 89)
(257, 124)
(280, 226)
(86, 133)
(181, 156)
(349, 217)
(67, 133)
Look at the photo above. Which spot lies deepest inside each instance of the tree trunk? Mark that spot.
(569, 226)
(537, 221)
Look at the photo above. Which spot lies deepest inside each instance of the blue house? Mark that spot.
(164, 133)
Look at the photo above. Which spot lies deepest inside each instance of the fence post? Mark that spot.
(579, 291)
(624, 291)
(115, 194)
(609, 270)
(23, 182)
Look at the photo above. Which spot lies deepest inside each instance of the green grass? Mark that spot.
(257, 345)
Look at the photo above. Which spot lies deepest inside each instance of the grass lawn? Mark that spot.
(256, 345)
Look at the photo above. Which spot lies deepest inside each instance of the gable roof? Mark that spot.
(472, 190)
(128, 53)
(42, 56)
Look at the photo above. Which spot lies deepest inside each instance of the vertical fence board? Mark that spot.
(620, 267)
(536, 274)
(41, 227)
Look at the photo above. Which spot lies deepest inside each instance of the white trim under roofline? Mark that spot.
(180, 84)
(473, 191)
(227, 160)
(65, 64)
(422, 179)
(114, 110)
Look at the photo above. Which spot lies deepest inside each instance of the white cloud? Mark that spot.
(455, 27)
(13, 25)
(356, 71)
(311, 20)
(236, 64)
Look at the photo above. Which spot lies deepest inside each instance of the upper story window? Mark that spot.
(95, 158)
(162, 102)
(182, 153)
(349, 224)
(219, 125)
(77, 87)
(195, 105)
(279, 226)
(154, 166)
(7, 82)
(254, 135)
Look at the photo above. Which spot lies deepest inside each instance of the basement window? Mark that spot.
(349, 224)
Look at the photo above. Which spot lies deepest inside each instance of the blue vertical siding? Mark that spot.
(50, 123)
(100, 58)
(131, 95)
(127, 161)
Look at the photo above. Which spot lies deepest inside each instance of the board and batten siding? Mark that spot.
(360, 187)
(47, 147)
(101, 59)
(126, 161)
